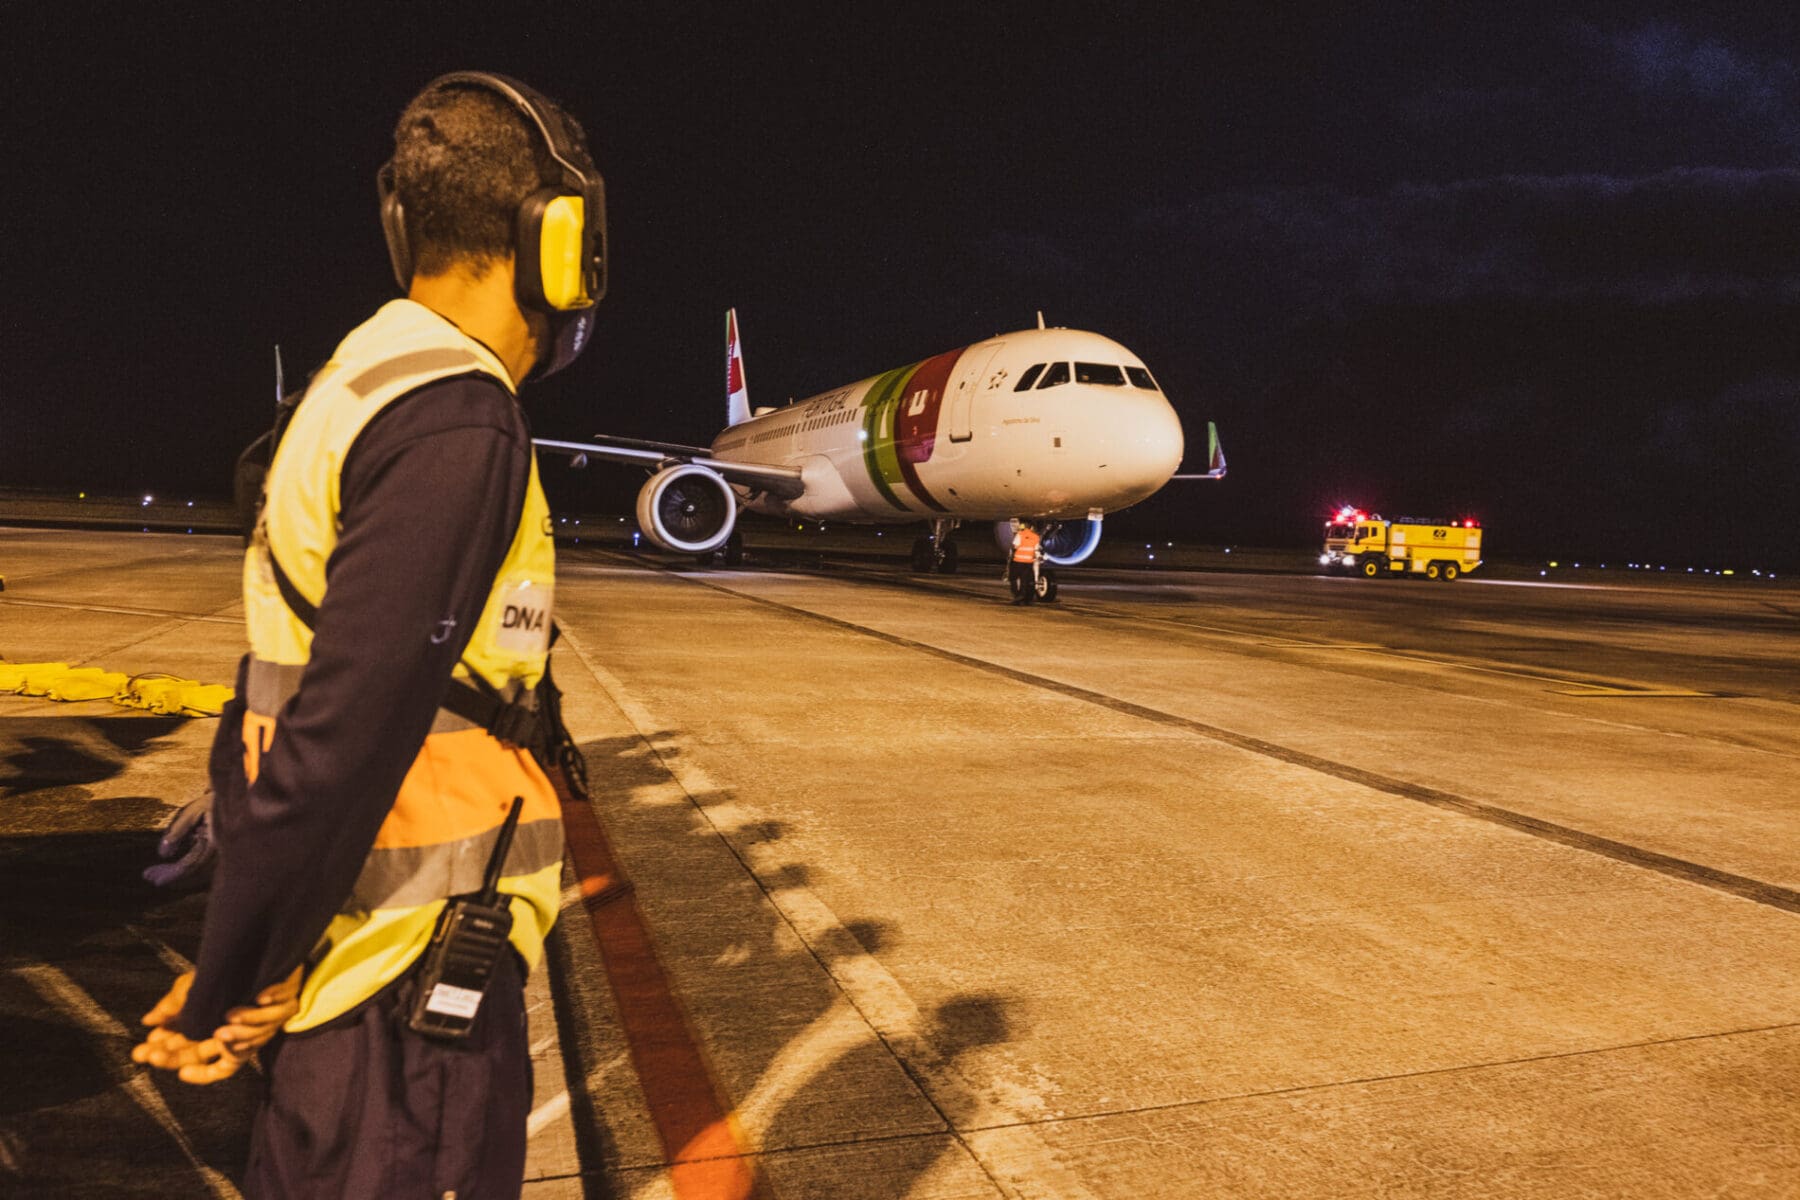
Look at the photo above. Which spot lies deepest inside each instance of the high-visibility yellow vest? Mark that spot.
(446, 818)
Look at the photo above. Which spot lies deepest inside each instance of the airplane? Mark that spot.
(1057, 426)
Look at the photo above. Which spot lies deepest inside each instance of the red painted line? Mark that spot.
(701, 1143)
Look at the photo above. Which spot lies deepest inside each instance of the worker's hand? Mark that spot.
(195, 1062)
(248, 1028)
(231, 1046)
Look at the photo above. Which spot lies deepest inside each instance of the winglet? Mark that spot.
(1215, 457)
(737, 391)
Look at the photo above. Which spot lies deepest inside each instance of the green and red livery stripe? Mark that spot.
(879, 456)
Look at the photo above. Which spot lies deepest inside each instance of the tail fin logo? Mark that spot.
(737, 391)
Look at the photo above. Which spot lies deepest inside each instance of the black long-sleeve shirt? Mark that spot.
(431, 495)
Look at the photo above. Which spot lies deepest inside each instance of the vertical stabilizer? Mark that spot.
(737, 392)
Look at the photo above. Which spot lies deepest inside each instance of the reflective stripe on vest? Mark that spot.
(445, 819)
(1025, 546)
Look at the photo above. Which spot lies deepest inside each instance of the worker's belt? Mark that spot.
(467, 704)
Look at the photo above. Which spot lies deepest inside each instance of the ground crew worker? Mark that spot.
(397, 594)
(1027, 553)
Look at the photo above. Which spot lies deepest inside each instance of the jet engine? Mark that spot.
(687, 508)
(1065, 542)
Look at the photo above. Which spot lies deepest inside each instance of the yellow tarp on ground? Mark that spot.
(167, 694)
(156, 692)
(16, 677)
(85, 683)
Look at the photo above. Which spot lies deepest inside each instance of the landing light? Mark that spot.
(148, 499)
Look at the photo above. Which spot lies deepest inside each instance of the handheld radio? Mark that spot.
(465, 948)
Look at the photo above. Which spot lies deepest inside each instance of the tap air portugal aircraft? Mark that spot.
(1056, 426)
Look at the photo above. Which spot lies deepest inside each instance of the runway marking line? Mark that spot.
(123, 612)
(1610, 689)
(64, 994)
(705, 1150)
(1742, 886)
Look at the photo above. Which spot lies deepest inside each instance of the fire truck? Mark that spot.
(1371, 546)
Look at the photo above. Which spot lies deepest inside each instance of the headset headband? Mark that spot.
(538, 110)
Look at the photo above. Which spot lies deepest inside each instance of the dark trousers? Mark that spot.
(1024, 581)
(363, 1108)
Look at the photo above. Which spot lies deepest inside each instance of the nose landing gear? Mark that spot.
(935, 553)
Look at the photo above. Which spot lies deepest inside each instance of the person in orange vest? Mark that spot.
(1022, 571)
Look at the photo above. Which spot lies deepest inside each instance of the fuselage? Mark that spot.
(1056, 423)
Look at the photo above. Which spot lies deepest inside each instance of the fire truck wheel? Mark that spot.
(1372, 568)
(1433, 569)
(1451, 571)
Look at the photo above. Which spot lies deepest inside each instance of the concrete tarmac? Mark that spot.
(1190, 885)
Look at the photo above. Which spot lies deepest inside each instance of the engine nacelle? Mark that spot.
(1067, 542)
(687, 509)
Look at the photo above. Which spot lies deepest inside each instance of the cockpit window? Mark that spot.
(1102, 373)
(1058, 373)
(1029, 377)
(1140, 378)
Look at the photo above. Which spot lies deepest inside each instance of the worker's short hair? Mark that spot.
(464, 160)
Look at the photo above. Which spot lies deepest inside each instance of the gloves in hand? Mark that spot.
(188, 844)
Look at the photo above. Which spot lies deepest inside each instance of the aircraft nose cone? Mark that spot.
(1146, 447)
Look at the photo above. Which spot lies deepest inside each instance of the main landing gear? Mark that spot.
(935, 553)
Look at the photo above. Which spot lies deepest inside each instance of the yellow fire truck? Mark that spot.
(1370, 546)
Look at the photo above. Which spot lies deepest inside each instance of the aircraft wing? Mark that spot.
(777, 481)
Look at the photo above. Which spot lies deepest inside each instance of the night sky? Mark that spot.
(1539, 265)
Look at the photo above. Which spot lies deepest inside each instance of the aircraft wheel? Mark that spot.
(948, 563)
(921, 556)
(1373, 567)
(1451, 571)
(1434, 570)
(1046, 588)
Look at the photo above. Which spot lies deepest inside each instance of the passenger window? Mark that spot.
(1140, 378)
(1105, 374)
(1058, 373)
(1028, 378)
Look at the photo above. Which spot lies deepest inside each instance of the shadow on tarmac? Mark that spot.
(750, 983)
(84, 948)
